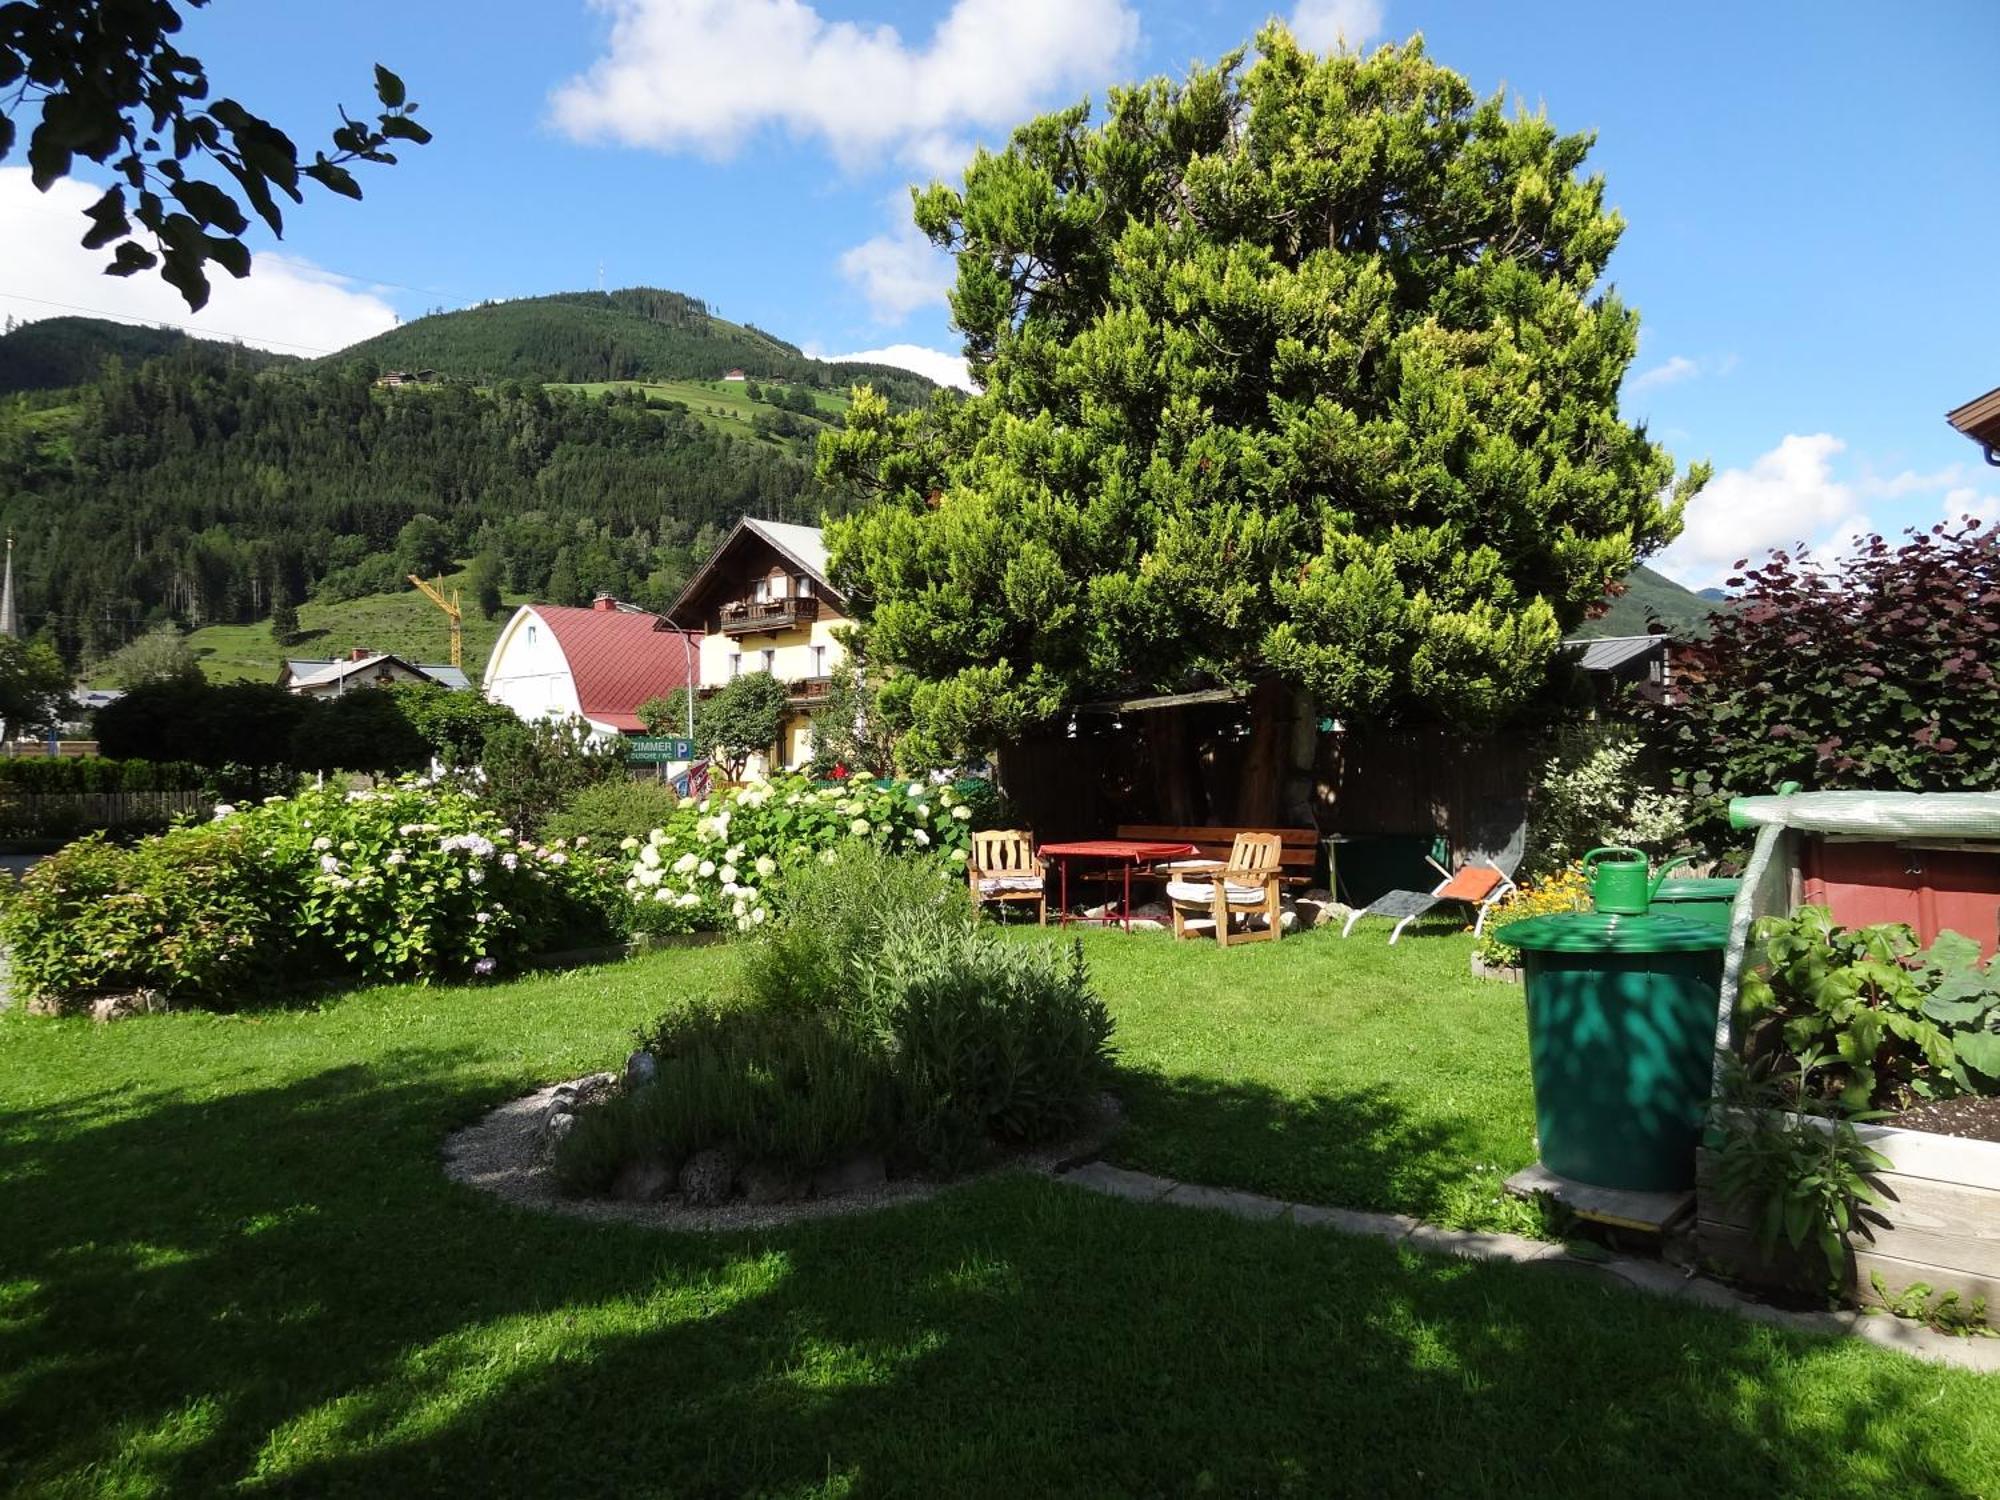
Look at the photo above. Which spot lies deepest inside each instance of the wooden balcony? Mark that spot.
(808, 692)
(762, 616)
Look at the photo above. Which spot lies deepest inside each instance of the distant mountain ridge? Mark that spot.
(54, 353)
(1651, 596)
(638, 334)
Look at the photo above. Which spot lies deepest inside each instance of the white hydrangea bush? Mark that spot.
(720, 865)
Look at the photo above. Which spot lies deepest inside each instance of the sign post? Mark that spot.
(658, 749)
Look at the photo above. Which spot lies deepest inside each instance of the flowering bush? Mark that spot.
(715, 863)
(411, 881)
(1593, 789)
(1565, 890)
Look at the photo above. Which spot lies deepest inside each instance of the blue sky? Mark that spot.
(1812, 238)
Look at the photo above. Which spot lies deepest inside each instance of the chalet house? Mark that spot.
(734, 375)
(362, 668)
(763, 603)
(597, 664)
(1979, 419)
(1614, 663)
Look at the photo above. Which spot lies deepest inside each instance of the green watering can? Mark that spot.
(1619, 882)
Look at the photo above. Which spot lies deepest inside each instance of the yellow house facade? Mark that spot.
(763, 603)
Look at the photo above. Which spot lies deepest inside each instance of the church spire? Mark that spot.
(7, 594)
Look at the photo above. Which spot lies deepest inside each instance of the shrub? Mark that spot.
(406, 882)
(614, 810)
(1566, 889)
(1874, 673)
(1891, 1022)
(836, 917)
(1593, 790)
(741, 720)
(534, 768)
(199, 914)
(716, 862)
(57, 775)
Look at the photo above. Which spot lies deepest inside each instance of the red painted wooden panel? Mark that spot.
(1931, 889)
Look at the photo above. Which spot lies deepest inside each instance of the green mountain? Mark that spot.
(1651, 596)
(638, 334)
(59, 352)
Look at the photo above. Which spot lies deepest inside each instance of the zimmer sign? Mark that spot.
(658, 749)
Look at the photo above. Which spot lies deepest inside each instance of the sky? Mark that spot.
(1812, 227)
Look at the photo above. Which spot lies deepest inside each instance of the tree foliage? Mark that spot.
(111, 87)
(162, 653)
(536, 767)
(1300, 368)
(1875, 671)
(741, 720)
(34, 686)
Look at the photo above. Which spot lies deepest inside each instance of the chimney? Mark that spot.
(359, 653)
(604, 602)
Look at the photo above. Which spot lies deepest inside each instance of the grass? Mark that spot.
(404, 623)
(723, 405)
(231, 1264)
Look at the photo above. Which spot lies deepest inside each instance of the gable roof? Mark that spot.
(804, 547)
(1603, 653)
(618, 659)
(299, 670)
(1979, 419)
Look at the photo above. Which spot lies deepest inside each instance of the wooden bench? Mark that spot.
(1298, 861)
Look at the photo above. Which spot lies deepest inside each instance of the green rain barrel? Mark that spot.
(1621, 1035)
(1705, 900)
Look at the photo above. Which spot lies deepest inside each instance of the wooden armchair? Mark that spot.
(1246, 886)
(1003, 867)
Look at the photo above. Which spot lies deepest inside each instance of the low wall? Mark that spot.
(1941, 1197)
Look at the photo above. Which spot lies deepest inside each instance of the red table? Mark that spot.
(1126, 852)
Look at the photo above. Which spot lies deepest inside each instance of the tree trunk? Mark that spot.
(1176, 797)
(1276, 790)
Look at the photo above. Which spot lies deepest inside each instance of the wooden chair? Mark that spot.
(1003, 867)
(1245, 886)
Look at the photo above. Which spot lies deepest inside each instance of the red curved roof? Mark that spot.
(619, 660)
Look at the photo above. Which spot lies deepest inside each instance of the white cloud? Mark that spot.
(899, 272)
(285, 304)
(1671, 372)
(1787, 495)
(1909, 482)
(705, 75)
(934, 364)
(1321, 24)
(1966, 501)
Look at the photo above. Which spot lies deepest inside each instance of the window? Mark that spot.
(770, 659)
(819, 661)
(805, 587)
(761, 590)
(735, 664)
(531, 635)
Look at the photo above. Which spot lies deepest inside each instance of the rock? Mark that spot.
(766, 1183)
(45, 1005)
(858, 1174)
(641, 1068)
(644, 1181)
(555, 1128)
(707, 1178)
(135, 1003)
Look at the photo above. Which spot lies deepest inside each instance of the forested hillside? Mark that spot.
(57, 352)
(637, 334)
(1650, 596)
(152, 493)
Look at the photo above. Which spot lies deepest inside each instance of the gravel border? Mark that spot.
(502, 1154)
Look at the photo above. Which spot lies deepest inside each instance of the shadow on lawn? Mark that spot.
(276, 1289)
(1354, 1148)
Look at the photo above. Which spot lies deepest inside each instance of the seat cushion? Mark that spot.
(1202, 892)
(1473, 883)
(992, 885)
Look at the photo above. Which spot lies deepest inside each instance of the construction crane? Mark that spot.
(436, 594)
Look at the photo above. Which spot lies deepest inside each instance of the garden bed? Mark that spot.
(506, 1154)
(1941, 1198)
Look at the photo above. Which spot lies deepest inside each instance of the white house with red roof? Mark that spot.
(597, 664)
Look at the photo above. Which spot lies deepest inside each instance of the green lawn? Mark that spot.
(724, 405)
(229, 1262)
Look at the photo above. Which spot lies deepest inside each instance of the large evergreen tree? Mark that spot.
(1297, 376)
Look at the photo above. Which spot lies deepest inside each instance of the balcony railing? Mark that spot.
(758, 616)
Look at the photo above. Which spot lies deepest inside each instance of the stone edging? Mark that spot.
(1653, 1277)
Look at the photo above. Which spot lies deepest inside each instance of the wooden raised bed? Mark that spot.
(1942, 1201)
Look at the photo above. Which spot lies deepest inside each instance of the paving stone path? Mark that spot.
(1653, 1277)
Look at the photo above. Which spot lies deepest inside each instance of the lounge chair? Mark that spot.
(1488, 874)
(1245, 886)
(1003, 867)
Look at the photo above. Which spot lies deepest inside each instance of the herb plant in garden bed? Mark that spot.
(880, 1032)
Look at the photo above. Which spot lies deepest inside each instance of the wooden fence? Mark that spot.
(63, 814)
